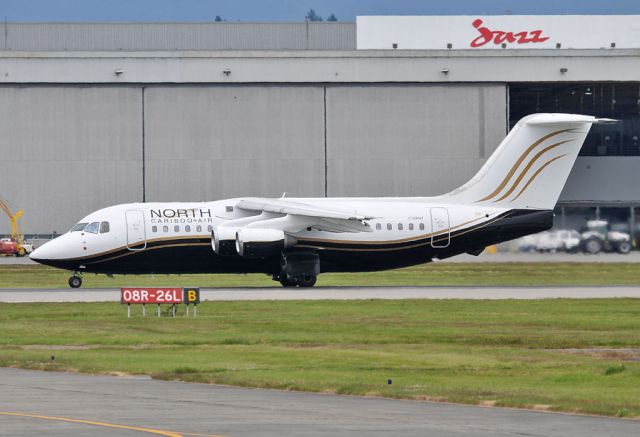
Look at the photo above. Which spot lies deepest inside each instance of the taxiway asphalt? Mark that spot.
(335, 293)
(67, 404)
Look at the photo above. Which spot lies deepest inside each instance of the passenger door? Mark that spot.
(439, 228)
(136, 234)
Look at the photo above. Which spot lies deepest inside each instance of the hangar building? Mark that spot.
(98, 114)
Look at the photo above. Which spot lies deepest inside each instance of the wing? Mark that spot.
(292, 216)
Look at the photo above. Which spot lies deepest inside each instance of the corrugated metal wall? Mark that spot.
(69, 150)
(177, 36)
(206, 142)
(410, 140)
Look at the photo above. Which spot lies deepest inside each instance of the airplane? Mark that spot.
(295, 239)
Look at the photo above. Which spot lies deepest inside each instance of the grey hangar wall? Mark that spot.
(75, 148)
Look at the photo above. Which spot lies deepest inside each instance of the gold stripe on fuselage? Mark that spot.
(154, 240)
(402, 240)
(120, 248)
(389, 249)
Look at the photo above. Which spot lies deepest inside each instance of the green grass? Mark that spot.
(507, 353)
(26, 276)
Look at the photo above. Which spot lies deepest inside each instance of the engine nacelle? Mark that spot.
(223, 240)
(261, 243)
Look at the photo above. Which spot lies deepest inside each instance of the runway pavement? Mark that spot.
(66, 404)
(338, 293)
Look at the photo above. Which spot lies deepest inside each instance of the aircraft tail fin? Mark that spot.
(530, 167)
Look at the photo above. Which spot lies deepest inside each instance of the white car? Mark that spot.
(567, 240)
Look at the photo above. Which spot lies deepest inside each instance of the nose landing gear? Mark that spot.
(75, 281)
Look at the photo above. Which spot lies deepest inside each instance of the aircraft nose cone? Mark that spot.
(41, 252)
(55, 253)
(53, 249)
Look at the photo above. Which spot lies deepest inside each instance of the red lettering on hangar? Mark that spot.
(498, 36)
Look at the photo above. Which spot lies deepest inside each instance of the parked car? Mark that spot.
(567, 240)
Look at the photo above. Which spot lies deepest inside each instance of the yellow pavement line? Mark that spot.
(108, 425)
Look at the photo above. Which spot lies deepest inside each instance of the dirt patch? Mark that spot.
(488, 403)
(119, 374)
(58, 347)
(623, 354)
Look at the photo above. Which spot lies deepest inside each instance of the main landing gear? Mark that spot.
(75, 281)
(298, 269)
(301, 281)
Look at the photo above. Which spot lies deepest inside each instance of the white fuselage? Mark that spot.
(152, 228)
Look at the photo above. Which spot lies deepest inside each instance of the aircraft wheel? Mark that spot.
(75, 282)
(307, 280)
(286, 282)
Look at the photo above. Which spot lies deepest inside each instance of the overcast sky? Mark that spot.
(290, 10)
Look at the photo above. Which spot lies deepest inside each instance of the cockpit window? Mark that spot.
(79, 227)
(104, 227)
(92, 228)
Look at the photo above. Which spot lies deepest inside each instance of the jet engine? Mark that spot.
(223, 240)
(262, 243)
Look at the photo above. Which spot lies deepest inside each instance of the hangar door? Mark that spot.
(439, 227)
(136, 236)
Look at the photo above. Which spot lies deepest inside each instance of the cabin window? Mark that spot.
(93, 228)
(389, 226)
(79, 227)
(411, 226)
(104, 227)
(198, 228)
(378, 226)
(176, 228)
(154, 228)
(422, 226)
(210, 228)
(400, 227)
(165, 229)
(187, 228)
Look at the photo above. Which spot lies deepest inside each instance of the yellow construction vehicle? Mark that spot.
(14, 245)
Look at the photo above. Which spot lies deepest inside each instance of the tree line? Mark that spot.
(310, 16)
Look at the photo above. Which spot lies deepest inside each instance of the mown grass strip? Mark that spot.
(27, 276)
(564, 355)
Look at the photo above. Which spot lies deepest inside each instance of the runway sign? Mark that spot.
(191, 295)
(151, 295)
(158, 296)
